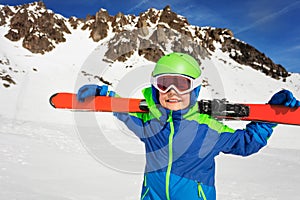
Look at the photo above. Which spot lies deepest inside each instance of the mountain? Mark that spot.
(40, 30)
(45, 52)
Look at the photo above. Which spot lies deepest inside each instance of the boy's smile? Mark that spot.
(174, 101)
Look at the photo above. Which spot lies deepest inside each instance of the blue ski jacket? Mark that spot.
(181, 147)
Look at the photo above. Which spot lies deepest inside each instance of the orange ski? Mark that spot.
(217, 108)
(98, 103)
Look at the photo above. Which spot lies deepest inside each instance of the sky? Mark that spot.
(271, 26)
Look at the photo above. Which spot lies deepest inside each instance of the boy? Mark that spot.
(180, 142)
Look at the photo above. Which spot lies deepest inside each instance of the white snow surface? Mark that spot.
(43, 156)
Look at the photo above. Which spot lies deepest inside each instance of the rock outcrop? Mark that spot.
(151, 34)
(38, 28)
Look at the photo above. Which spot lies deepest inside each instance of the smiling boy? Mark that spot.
(181, 143)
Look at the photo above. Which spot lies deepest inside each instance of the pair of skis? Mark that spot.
(219, 109)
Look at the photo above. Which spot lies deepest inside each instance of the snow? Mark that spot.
(44, 153)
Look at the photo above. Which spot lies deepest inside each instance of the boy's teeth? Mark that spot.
(173, 100)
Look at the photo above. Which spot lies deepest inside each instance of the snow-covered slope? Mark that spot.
(38, 76)
(42, 154)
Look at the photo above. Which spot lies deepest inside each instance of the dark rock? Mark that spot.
(40, 29)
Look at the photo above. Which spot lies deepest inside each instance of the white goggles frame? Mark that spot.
(194, 83)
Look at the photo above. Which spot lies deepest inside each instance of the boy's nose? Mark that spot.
(171, 92)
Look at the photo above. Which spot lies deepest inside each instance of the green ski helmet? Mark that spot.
(177, 63)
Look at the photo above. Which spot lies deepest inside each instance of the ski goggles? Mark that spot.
(180, 83)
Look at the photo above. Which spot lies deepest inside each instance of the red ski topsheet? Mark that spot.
(273, 113)
(97, 104)
(258, 112)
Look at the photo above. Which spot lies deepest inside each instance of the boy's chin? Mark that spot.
(175, 107)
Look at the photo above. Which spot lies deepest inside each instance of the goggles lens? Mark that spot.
(165, 82)
(181, 83)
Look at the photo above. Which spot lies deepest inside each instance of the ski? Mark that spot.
(98, 103)
(219, 109)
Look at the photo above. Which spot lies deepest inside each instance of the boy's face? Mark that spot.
(174, 101)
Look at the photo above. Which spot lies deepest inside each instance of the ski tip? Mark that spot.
(50, 100)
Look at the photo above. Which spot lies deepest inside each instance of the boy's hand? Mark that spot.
(286, 98)
(93, 90)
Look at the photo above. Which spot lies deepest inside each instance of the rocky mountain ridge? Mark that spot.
(152, 34)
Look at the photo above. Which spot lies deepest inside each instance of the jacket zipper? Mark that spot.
(145, 185)
(146, 192)
(201, 193)
(170, 161)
